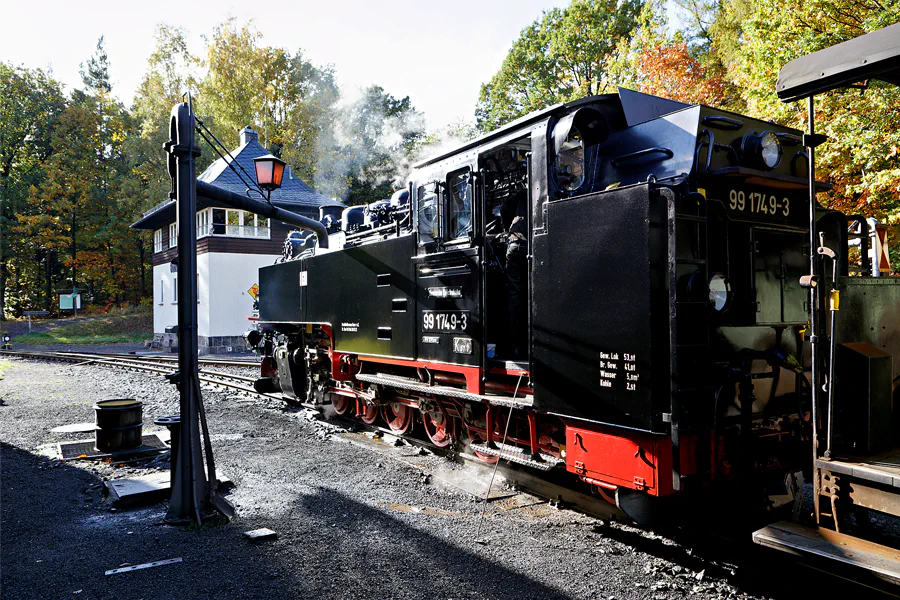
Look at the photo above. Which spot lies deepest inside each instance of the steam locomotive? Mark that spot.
(612, 288)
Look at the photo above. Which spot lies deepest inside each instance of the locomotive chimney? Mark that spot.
(248, 135)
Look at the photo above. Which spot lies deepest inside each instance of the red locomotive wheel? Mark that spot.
(370, 414)
(340, 404)
(399, 417)
(439, 431)
(476, 438)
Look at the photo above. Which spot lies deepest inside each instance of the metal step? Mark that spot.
(519, 455)
(404, 383)
(827, 545)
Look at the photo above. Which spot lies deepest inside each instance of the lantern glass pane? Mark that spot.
(278, 173)
(264, 172)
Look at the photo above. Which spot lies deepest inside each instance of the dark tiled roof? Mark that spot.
(293, 190)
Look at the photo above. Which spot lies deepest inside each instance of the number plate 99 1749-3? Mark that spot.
(445, 321)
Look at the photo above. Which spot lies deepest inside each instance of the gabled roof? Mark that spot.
(293, 194)
(293, 190)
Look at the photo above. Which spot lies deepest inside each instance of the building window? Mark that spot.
(238, 223)
(157, 241)
(175, 290)
(203, 223)
(162, 290)
(173, 235)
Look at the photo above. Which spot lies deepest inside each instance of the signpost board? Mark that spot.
(69, 301)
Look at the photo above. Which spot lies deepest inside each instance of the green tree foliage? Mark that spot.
(281, 94)
(862, 157)
(565, 54)
(76, 214)
(31, 104)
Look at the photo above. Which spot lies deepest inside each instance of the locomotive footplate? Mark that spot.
(440, 390)
(519, 455)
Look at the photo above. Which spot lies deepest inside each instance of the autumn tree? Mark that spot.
(31, 103)
(565, 54)
(862, 156)
(281, 94)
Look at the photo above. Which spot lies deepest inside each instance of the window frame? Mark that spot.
(448, 213)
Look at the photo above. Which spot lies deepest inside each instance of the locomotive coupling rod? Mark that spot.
(259, 207)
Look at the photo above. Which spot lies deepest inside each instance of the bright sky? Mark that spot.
(438, 53)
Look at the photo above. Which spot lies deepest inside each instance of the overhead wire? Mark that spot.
(251, 185)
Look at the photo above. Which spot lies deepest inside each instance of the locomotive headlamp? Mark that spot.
(763, 149)
(719, 292)
(269, 171)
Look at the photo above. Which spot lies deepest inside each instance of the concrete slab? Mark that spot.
(74, 428)
(148, 489)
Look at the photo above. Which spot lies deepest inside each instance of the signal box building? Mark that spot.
(231, 247)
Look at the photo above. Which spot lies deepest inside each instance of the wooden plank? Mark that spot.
(857, 553)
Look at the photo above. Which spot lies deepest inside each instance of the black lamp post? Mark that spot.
(269, 172)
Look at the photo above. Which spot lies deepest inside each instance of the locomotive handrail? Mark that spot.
(641, 153)
(719, 120)
(217, 194)
(710, 143)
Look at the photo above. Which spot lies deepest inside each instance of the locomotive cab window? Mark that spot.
(427, 209)
(459, 206)
(570, 162)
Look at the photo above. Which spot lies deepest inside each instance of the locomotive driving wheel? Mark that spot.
(438, 427)
(340, 404)
(369, 413)
(399, 417)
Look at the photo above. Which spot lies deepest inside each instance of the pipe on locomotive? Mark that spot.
(222, 196)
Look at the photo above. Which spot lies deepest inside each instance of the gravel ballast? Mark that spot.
(350, 523)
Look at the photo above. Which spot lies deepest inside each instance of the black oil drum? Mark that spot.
(119, 425)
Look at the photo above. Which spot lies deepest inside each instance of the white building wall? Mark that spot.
(165, 309)
(230, 276)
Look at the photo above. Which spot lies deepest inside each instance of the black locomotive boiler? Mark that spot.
(609, 287)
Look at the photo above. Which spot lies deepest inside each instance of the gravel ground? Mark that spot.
(350, 522)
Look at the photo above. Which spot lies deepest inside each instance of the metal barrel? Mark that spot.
(119, 425)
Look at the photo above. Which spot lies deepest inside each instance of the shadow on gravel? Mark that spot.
(58, 537)
(378, 552)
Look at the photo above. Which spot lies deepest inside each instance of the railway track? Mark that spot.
(521, 478)
(715, 544)
(153, 365)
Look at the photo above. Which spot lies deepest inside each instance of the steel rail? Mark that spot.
(217, 378)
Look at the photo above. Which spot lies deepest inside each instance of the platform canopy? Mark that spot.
(875, 55)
